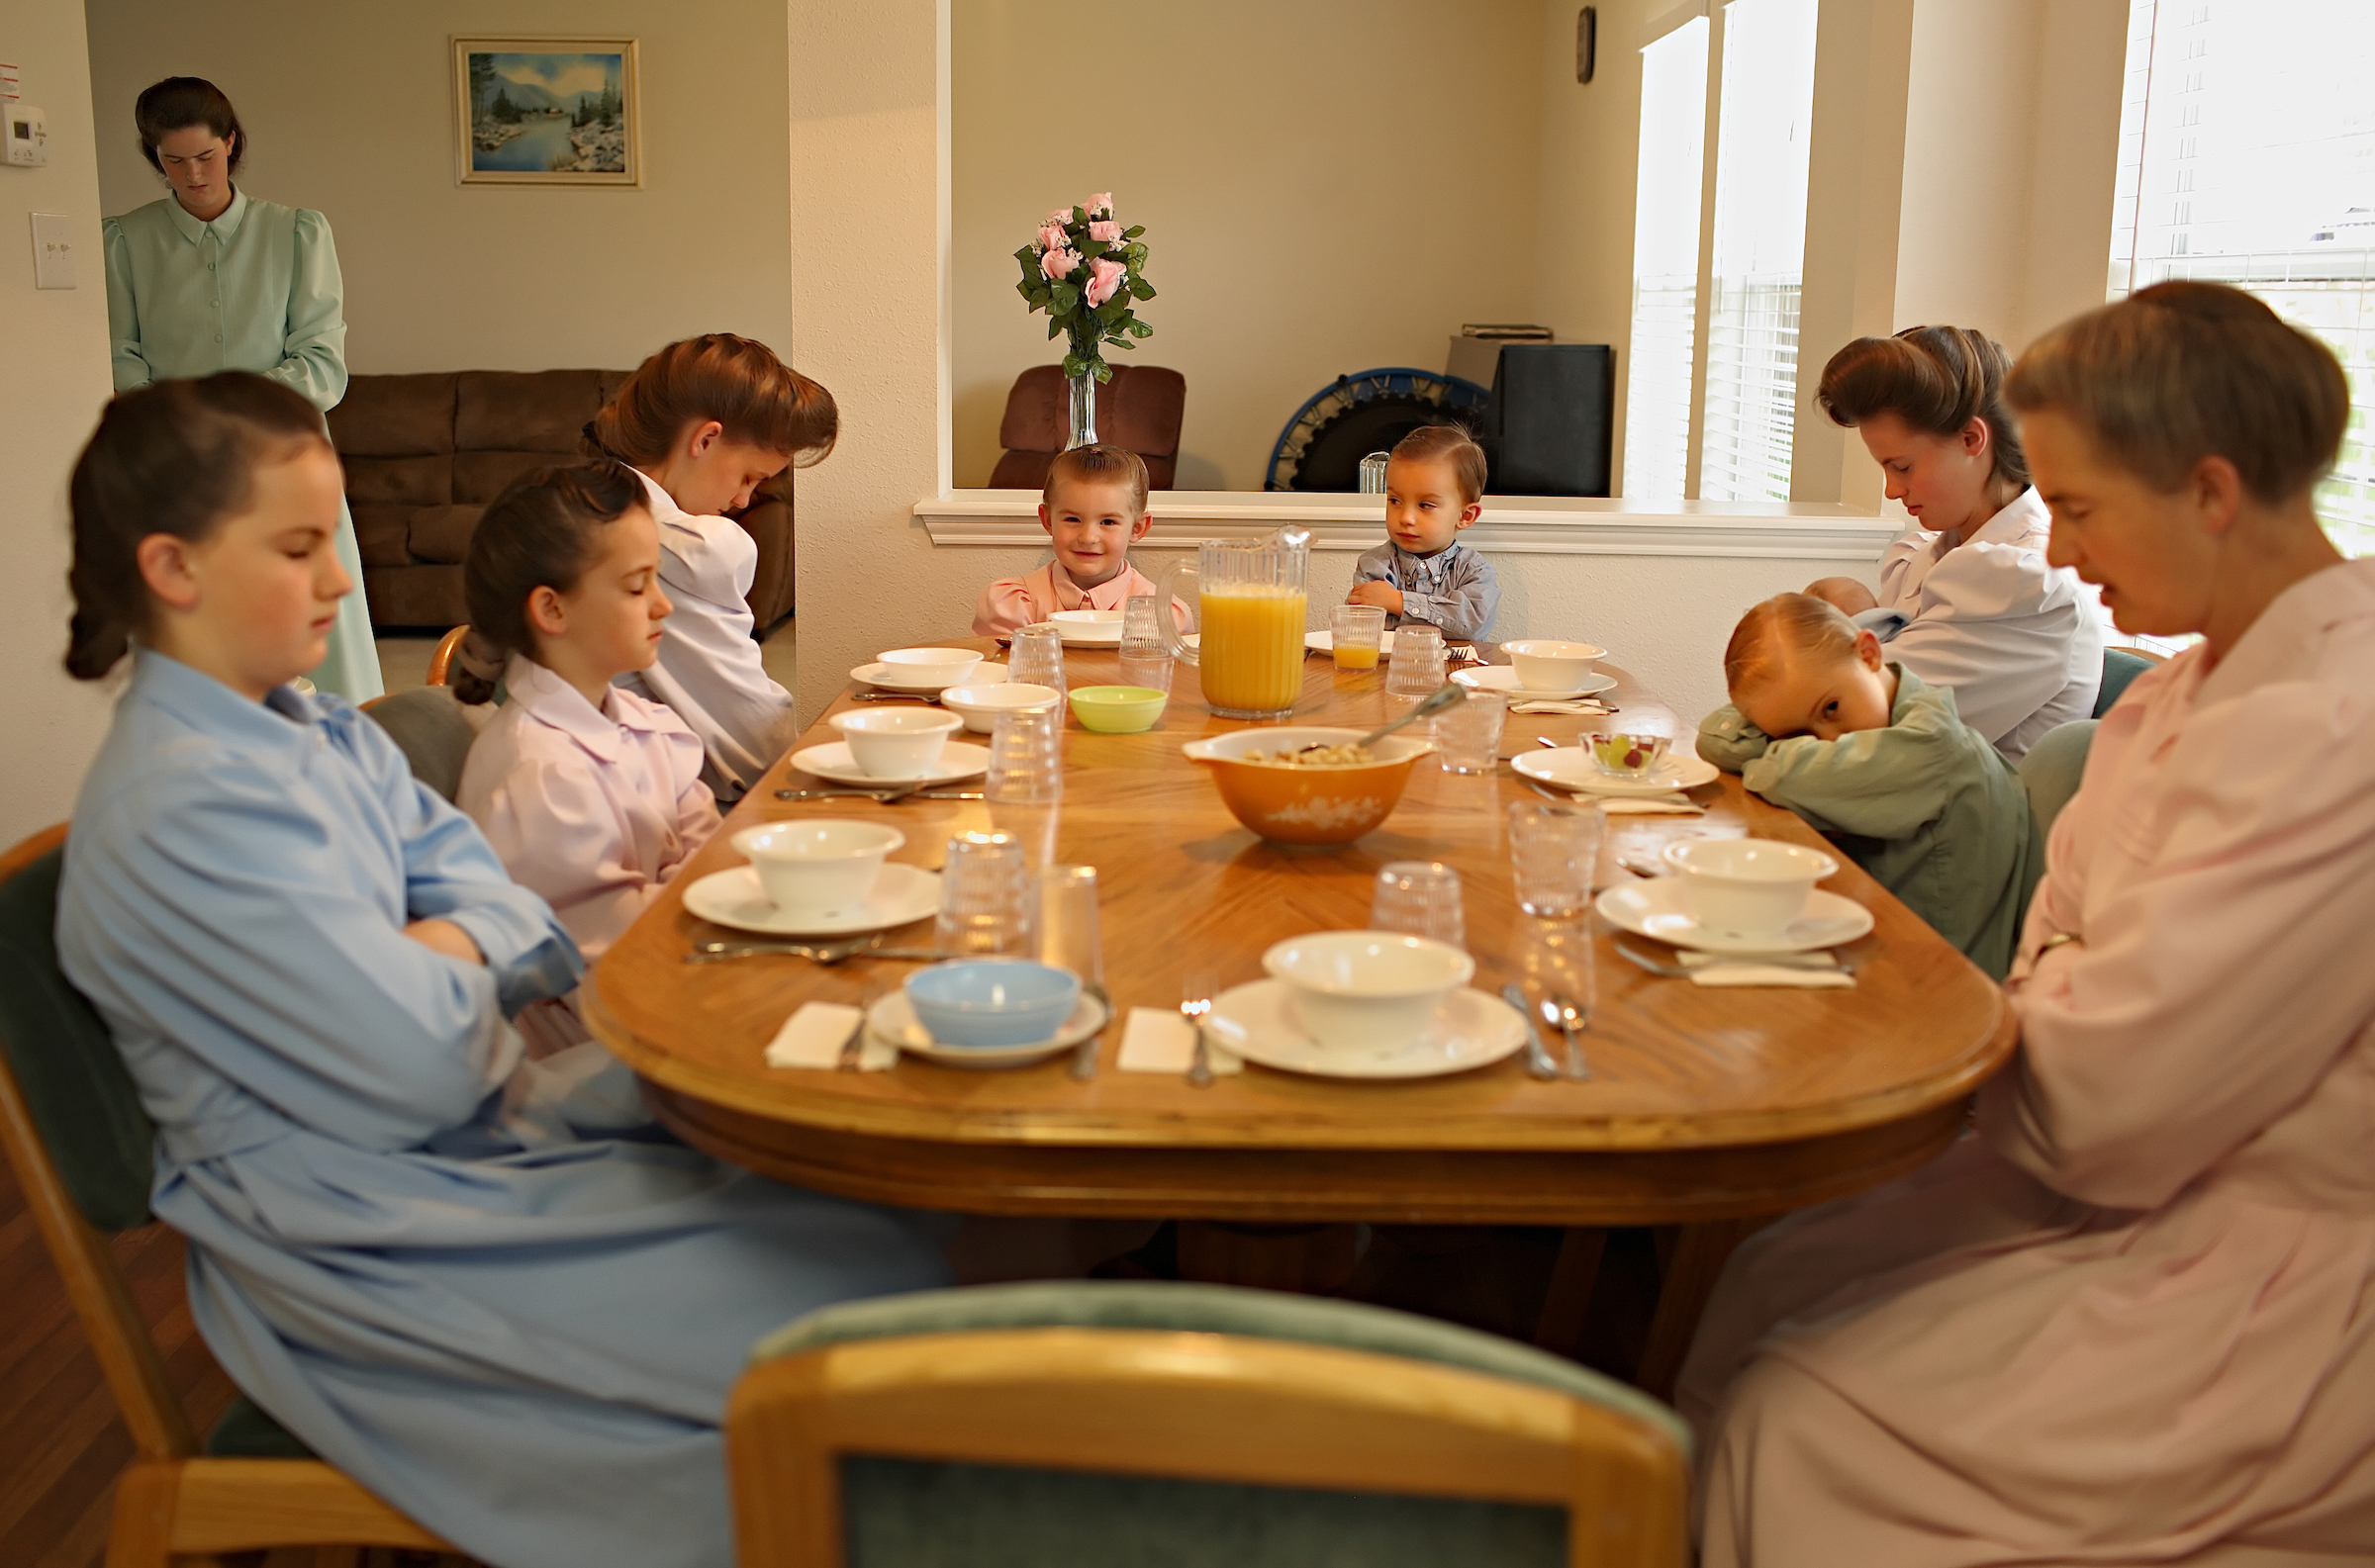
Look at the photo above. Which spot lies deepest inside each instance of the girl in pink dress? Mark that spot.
(2132, 1320)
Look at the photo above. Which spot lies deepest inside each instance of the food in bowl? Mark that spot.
(1300, 804)
(1118, 709)
(991, 1002)
(1367, 991)
(1749, 889)
(818, 865)
(979, 705)
(1543, 665)
(1628, 754)
(896, 743)
(1344, 756)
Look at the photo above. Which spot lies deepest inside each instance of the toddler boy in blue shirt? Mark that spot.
(1434, 488)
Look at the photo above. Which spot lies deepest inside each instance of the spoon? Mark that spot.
(1538, 1056)
(1563, 1015)
(1441, 697)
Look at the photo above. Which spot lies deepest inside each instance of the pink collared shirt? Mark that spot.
(593, 809)
(1013, 602)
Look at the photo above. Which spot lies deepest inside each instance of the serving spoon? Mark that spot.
(1436, 701)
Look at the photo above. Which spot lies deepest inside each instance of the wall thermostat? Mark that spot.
(28, 135)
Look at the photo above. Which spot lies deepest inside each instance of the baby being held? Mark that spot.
(1434, 488)
(1093, 510)
(1880, 763)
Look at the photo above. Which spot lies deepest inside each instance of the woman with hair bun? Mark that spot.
(2132, 1320)
(1968, 602)
(209, 278)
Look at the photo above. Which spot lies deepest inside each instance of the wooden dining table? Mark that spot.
(1711, 1109)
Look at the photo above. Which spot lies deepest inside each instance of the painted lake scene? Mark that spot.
(536, 114)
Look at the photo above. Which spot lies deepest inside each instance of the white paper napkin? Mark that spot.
(1747, 971)
(1642, 806)
(1549, 705)
(814, 1035)
(1158, 1040)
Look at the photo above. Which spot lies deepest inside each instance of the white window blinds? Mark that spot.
(1665, 263)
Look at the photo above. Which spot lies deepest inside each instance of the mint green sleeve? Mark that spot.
(123, 312)
(313, 354)
(1727, 740)
(1881, 783)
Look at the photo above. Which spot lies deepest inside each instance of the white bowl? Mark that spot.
(979, 705)
(896, 743)
(932, 666)
(1749, 889)
(1544, 666)
(1368, 990)
(818, 865)
(1088, 625)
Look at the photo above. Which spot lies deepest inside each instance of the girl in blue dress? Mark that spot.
(479, 1285)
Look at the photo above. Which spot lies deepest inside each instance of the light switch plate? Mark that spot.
(53, 251)
(28, 135)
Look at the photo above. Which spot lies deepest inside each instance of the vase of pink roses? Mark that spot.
(1087, 272)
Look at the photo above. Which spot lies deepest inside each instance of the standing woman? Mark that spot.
(1982, 611)
(2133, 1320)
(211, 279)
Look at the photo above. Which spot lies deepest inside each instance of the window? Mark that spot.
(1711, 393)
(2278, 146)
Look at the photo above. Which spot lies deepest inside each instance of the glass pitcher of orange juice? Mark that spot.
(1249, 600)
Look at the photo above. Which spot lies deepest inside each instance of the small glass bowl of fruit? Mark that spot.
(1628, 756)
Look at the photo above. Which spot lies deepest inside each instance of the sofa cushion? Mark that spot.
(441, 535)
(612, 381)
(508, 410)
(480, 477)
(398, 481)
(383, 534)
(428, 597)
(396, 416)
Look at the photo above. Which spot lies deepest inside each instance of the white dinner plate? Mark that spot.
(1659, 907)
(1502, 678)
(893, 1018)
(733, 897)
(1091, 628)
(1574, 767)
(1260, 1023)
(1325, 642)
(890, 679)
(961, 759)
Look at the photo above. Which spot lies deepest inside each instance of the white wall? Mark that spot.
(350, 109)
(1327, 185)
(52, 380)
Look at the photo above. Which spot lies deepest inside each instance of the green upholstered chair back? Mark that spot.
(73, 1080)
(2119, 666)
(2050, 775)
(903, 1513)
(433, 731)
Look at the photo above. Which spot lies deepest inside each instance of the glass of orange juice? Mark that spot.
(1355, 632)
(1250, 610)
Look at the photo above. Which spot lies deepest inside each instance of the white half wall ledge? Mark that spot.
(1513, 525)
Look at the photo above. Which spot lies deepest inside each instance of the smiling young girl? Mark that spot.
(706, 421)
(404, 1243)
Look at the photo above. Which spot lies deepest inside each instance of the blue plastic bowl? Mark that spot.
(991, 1002)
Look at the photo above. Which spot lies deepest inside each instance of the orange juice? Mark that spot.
(1251, 653)
(1356, 658)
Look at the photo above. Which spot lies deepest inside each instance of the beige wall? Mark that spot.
(351, 112)
(52, 380)
(1327, 185)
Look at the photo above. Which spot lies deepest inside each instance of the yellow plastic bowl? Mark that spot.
(1307, 805)
(1118, 709)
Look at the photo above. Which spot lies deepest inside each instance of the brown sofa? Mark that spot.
(424, 455)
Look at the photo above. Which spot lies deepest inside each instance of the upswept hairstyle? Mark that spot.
(180, 102)
(542, 531)
(2183, 371)
(1797, 621)
(1937, 379)
(1447, 443)
(1098, 464)
(735, 381)
(177, 457)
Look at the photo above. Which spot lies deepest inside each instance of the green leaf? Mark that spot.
(1065, 296)
(1025, 289)
(1080, 216)
(1027, 256)
(1039, 296)
(1055, 328)
(1141, 289)
(1104, 372)
(1133, 231)
(1073, 365)
(1137, 254)
(1140, 330)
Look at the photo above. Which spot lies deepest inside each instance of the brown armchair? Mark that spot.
(1139, 409)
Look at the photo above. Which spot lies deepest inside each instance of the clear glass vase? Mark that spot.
(1083, 430)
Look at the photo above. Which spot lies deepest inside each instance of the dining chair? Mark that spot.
(2119, 666)
(81, 1145)
(1186, 1425)
(1141, 409)
(2051, 774)
(440, 661)
(433, 729)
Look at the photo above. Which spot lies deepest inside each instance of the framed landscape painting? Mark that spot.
(551, 111)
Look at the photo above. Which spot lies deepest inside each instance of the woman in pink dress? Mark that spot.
(2132, 1320)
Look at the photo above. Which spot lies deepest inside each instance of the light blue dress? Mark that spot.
(257, 289)
(405, 1244)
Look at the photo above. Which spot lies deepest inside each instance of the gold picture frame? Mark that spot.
(547, 111)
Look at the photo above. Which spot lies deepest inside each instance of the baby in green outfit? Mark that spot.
(1881, 763)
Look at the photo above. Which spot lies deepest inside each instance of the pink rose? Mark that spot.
(1059, 217)
(1106, 231)
(1052, 237)
(1101, 201)
(1104, 278)
(1059, 263)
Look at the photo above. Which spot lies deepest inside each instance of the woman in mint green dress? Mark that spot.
(211, 279)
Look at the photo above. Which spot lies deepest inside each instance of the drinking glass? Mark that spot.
(1144, 661)
(1026, 756)
(1039, 657)
(1553, 850)
(1422, 898)
(1357, 630)
(1468, 734)
(1416, 668)
(987, 901)
(1068, 937)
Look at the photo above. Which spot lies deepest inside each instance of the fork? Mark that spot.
(879, 797)
(828, 954)
(1641, 959)
(1194, 1008)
